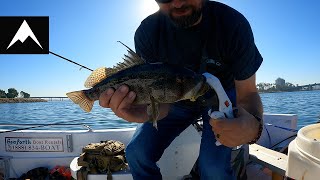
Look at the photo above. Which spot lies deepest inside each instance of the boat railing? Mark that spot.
(33, 126)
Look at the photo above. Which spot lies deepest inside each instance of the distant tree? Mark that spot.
(289, 84)
(12, 93)
(21, 94)
(265, 87)
(272, 89)
(261, 86)
(24, 94)
(2, 94)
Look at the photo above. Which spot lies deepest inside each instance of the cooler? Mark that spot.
(304, 154)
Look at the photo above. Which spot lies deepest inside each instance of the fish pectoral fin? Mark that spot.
(153, 111)
(78, 97)
(98, 75)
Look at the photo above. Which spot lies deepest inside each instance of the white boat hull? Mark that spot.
(177, 161)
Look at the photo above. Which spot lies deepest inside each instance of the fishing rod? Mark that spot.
(80, 64)
(288, 129)
(70, 60)
(53, 124)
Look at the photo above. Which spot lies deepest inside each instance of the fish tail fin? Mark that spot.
(78, 97)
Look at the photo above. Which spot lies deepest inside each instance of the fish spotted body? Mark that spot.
(154, 83)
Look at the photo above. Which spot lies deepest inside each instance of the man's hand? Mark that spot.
(120, 101)
(236, 131)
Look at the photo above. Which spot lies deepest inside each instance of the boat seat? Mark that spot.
(273, 160)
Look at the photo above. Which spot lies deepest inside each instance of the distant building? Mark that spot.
(280, 82)
(316, 87)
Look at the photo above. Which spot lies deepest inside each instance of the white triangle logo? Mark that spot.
(23, 33)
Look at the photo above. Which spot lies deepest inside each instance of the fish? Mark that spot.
(154, 83)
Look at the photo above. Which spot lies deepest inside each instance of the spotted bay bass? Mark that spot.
(154, 83)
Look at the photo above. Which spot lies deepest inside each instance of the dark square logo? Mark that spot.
(24, 35)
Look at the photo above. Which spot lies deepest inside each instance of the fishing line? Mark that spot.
(70, 61)
(283, 140)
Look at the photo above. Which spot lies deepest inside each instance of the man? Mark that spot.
(203, 36)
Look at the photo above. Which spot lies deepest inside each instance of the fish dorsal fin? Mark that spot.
(98, 75)
(129, 60)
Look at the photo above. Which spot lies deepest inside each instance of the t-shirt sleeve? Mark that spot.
(143, 45)
(244, 55)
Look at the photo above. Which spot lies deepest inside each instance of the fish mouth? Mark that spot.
(199, 89)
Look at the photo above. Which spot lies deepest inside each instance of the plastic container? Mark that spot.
(304, 154)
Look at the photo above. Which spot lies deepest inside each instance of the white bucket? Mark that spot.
(304, 154)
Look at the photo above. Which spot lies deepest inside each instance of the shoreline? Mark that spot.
(286, 91)
(21, 100)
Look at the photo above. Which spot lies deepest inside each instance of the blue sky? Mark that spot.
(286, 33)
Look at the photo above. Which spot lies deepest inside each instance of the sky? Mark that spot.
(286, 32)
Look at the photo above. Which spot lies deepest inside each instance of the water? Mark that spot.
(306, 104)
(52, 112)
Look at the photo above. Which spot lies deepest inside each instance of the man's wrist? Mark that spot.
(259, 131)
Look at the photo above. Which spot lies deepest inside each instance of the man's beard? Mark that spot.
(188, 20)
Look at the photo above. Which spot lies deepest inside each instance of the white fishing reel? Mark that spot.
(225, 105)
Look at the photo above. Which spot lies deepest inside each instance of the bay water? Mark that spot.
(306, 104)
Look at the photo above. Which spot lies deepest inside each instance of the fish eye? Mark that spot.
(179, 79)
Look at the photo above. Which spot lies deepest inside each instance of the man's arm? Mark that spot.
(249, 99)
(245, 127)
(248, 96)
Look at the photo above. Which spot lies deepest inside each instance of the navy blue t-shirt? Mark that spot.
(223, 36)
